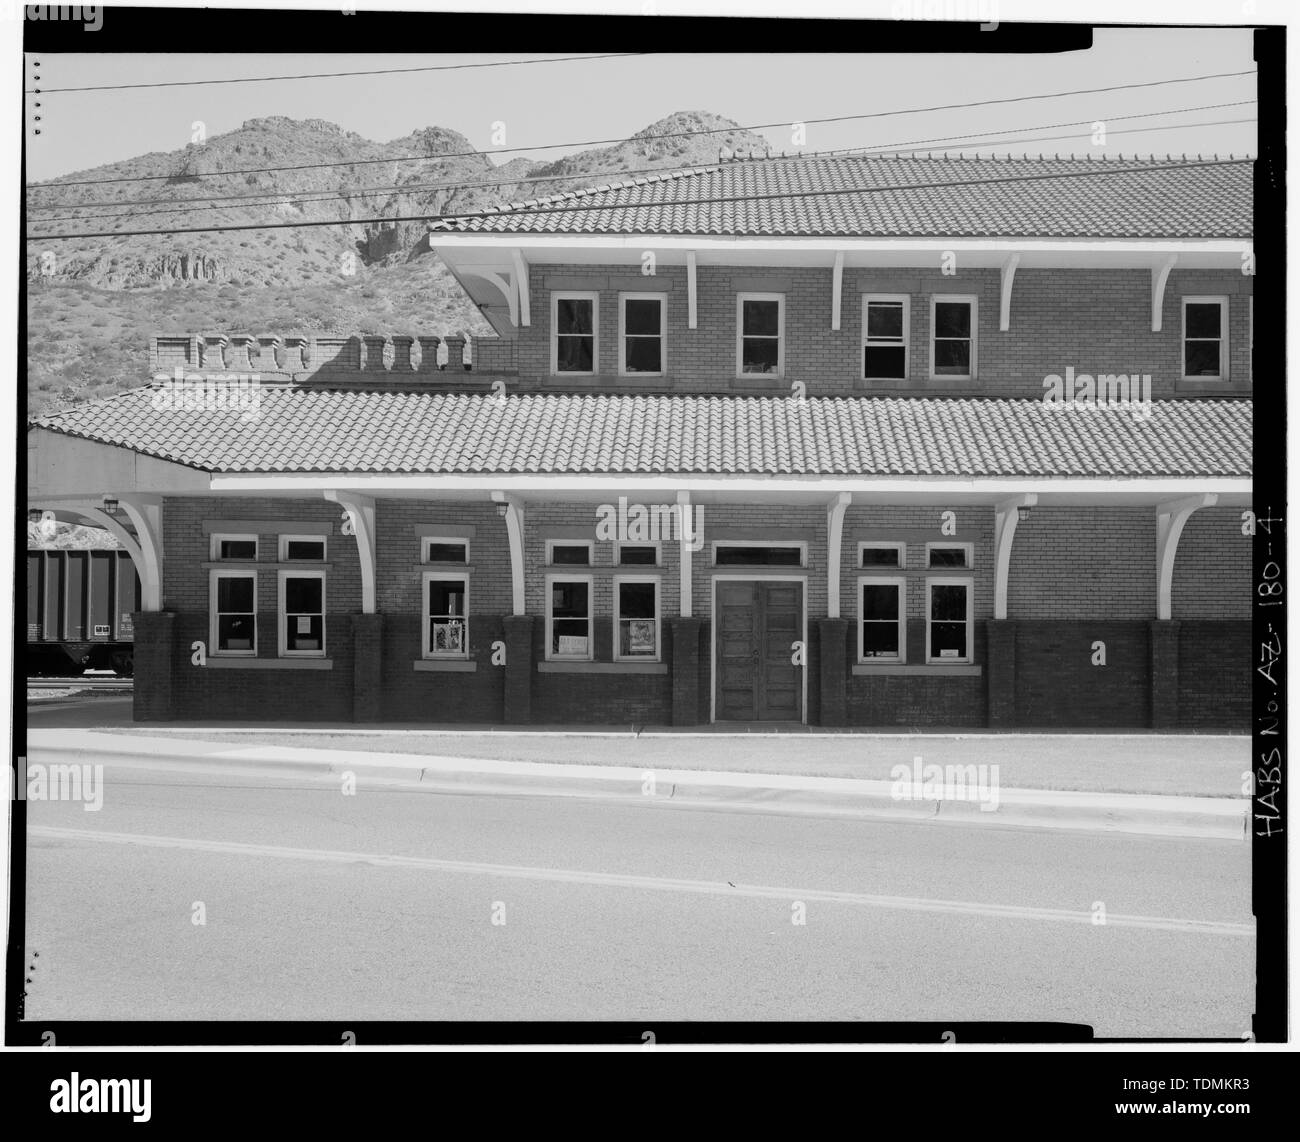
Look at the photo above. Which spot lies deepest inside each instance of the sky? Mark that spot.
(568, 102)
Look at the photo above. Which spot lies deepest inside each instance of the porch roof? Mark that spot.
(291, 430)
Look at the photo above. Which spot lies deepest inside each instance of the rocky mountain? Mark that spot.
(93, 302)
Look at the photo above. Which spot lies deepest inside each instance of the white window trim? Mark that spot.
(426, 648)
(552, 544)
(560, 577)
(592, 296)
(213, 642)
(899, 581)
(659, 649)
(622, 543)
(969, 548)
(218, 538)
(867, 298)
(662, 299)
(741, 298)
(283, 548)
(281, 618)
(974, 301)
(951, 581)
(801, 544)
(896, 544)
(425, 540)
(1225, 311)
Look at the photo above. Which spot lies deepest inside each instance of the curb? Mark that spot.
(1219, 818)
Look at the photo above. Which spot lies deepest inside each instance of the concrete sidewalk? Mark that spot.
(991, 800)
(1180, 765)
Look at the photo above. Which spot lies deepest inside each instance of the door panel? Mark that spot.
(758, 623)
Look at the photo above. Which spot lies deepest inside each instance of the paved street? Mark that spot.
(381, 906)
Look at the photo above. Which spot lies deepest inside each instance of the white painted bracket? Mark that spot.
(502, 280)
(684, 553)
(1004, 534)
(837, 293)
(523, 300)
(361, 510)
(96, 515)
(515, 534)
(690, 289)
(1008, 283)
(834, 537)
(1171, 516)
(1159, 278)
(145, 514)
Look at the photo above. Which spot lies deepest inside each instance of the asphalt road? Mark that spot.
(402, 904)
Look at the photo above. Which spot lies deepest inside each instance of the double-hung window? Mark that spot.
(446, 615)
(884, 336)
(882, 613)
(760, 334)
(575, 327)
(1205, 338)
(949, 629)
(568, 617)
(636, 618)
(233, 619)
(302, 613)
(953, 325)
(643, 333)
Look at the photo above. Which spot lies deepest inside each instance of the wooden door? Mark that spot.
(758, 623)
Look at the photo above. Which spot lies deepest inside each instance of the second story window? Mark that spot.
(760, 334)
(643, 318)
(884, 337)
(575, 322)
(1205, 338)
(953, 321)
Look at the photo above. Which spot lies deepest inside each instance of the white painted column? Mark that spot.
(1159, 278)
(145, 514)
(834, 541)
(515, 535)
(837, 290)
(361, 511)
(685, 594)
(1171, 516)
(521, 287)
(690, 289)
(1008, 283)
(1004, 534)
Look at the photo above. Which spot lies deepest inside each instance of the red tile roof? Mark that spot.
(887, 195)
(295, 430)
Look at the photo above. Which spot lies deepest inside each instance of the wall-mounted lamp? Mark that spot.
(1023, 513)
(502, 509)
(33, 515)
(110, 505)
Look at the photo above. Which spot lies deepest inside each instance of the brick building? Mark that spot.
(881, 441)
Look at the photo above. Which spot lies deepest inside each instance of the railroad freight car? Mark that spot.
(79, 608)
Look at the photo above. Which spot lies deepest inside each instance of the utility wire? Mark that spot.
(288, 198)
(575, 208)
(644, 138)
(275, 196)
(329, 74)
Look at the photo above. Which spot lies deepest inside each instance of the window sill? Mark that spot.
(442, 566)
(234, 663)
(602, 668)
(958, 670)
(253, 565)
(445, 665)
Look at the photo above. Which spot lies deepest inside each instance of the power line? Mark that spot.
(643, 138)
(280, 199)
(574, 208)
(277, 196)
(329, 74)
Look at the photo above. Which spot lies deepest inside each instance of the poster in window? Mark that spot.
(304, 624)
(572, 644)
(641, 636)
(448, 638)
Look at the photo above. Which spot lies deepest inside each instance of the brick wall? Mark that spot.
(1214, 675)
(1098, 321)
(1058, 687)
(1212, 570)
